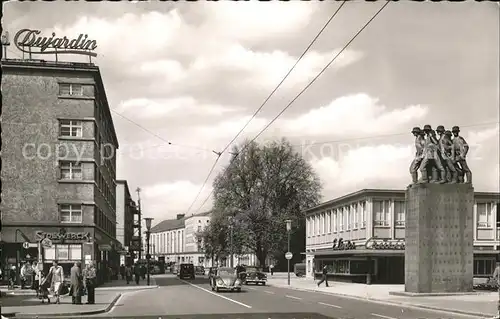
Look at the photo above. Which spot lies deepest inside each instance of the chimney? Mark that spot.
(180, 216)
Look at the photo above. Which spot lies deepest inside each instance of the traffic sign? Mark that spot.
(26, 245)
(46, 243)
(288, 255)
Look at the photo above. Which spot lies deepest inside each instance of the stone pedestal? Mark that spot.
(439, 238)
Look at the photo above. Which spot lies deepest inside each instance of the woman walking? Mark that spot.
(57, 279)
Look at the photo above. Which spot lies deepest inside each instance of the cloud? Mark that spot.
(165, 200)
(184, 105)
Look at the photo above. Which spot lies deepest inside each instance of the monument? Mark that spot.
(439, 214)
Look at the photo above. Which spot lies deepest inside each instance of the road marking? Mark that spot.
(293, 297)
(252, 288)
(330, 305)
(215, 294)
(269, 292)
(382, 316)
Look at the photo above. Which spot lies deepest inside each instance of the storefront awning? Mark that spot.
(359, 252)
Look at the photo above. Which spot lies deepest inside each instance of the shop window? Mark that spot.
(71, 170)
(71, 128)
(484, 267)
(63, 252)
(70, 89)
(71, 213)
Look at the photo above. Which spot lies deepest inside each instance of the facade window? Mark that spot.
(70, 89)
(381, 212)
(335, 220)
(399, 213)
(329, 221)
(341, 219)
(484, 267)
(63, 252)
(348, 218)
(71, 128)
(71, 213)
(71, 170)
(362, 214)
(355, 214)
(200, 245)
(484, 214)
(199, 229)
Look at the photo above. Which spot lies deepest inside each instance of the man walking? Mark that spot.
(76, 284)
(324, 277)
(90, 281)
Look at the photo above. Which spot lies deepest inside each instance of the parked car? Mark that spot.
(199, 270)
(186, 271)
(225, 278)
(299, 269)
(254, 275)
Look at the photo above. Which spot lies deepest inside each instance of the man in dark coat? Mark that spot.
(76, 284)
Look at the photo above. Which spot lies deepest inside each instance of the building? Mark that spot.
(58, 164)
(126, 210)
(371, 225)
(176, 241)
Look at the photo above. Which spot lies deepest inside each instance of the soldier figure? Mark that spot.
(431, 158)
(419, 151)
(445, 153)
(460, 150)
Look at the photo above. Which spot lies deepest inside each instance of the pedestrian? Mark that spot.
(24, 275)
(496, 277)
(76, 284)
(271, 267)
(137, 273)
(143, 272)
(324, 277)
(45, 283)
(122, 271)
(12, 277)
(90, 281)
(57, 275)
(36, 278)
(128, 274)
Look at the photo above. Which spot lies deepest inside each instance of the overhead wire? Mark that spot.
(262, 105)
(303, 90)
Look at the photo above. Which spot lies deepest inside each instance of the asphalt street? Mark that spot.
(194, 299)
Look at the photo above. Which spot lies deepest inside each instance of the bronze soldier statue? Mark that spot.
(431, 159)
(419, 151)
(460, 150)
(445, 154)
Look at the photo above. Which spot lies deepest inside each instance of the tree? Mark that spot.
(263, 186)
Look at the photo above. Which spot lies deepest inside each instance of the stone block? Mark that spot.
(439, 238)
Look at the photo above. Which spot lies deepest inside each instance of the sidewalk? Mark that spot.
(32, 307)
(483, 304)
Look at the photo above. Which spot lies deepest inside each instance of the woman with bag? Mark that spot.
(57, 281)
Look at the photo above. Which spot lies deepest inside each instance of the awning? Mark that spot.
(359, 252)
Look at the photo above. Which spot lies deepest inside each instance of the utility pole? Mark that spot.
(138, 190)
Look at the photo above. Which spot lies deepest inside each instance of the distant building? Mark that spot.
(379, 214)
(125, 213)
(55, 184)
(176, 240)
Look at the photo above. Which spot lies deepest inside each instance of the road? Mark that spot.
(194, 299)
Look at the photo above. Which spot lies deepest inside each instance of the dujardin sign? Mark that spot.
(340, 244)
(61, 236)
(27, 39)
(385, 244)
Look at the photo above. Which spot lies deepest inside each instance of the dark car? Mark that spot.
(299, 270)
(254, 275)
(199, 270)
(186, 271)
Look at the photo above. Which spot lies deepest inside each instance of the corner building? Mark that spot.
(377, 216)
(55, 122)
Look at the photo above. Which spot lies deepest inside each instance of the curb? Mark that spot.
(127, 288)
(69, 314)
(393, 303)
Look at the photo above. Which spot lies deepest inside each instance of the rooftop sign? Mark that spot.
(26, 39)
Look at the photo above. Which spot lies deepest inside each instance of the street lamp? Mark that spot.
(288, 230)
(148, 234)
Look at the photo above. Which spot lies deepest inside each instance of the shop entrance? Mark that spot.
(390, 270)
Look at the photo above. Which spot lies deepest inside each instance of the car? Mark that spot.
(299, 270)
(186, 271)
(200, 270)
(254, 275)
(225, 278)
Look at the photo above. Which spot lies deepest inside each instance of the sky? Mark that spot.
(192, 74)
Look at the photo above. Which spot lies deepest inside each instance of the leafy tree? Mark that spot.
(260, 189)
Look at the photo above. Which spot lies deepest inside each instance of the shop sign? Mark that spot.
(31, 39)
(385, 244)
(340, 244)
(57, 236)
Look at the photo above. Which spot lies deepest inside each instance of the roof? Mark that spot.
(382, 192)
(171, 224)
(68, 67)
